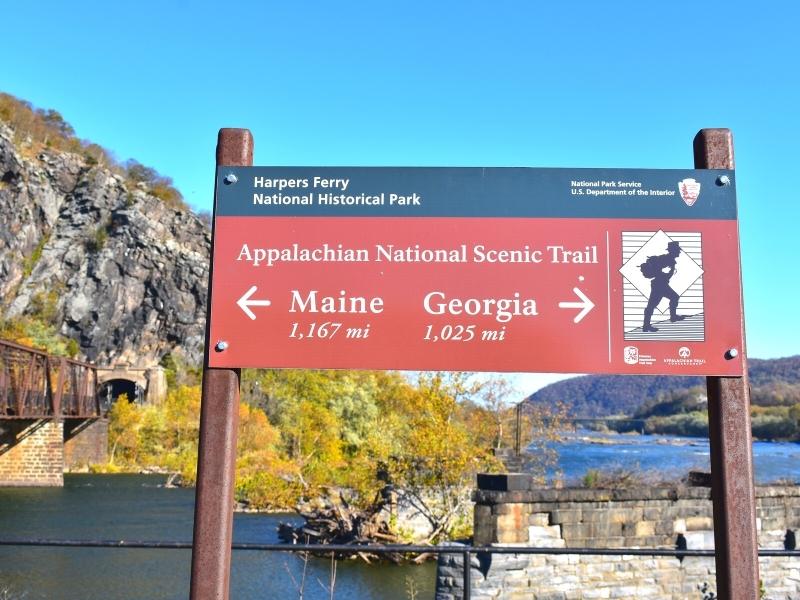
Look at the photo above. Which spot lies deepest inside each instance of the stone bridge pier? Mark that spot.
(36, 452)
(509, 510)
(31, 452)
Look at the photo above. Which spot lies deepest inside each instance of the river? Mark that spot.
(666, 457)
(138, 507)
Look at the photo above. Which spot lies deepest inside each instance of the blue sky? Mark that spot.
(569, 84)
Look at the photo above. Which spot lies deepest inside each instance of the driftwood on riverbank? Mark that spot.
(332, 520)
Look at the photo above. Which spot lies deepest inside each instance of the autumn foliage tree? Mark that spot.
(434, 455)
(368, 437)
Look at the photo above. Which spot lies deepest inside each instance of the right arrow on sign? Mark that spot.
(245, 303)
(585, 304)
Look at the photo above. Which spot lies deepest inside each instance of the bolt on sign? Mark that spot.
(480, 269)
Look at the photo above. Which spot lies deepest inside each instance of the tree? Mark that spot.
(365, 438)
(139, 173)
(497, 395)
(264, 478)
(542, 426)
(428, 454)
(53, 119)
(123, 430)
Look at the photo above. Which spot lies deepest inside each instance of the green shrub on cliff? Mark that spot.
(35, 332)
(33, 259)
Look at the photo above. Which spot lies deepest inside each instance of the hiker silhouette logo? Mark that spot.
(663, 286)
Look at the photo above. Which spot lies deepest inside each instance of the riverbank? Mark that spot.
(172, 480)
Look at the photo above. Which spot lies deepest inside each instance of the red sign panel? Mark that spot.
(479, 292)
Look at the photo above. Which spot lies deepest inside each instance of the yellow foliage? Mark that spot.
(305, 431)
(263, 477)
(255, 431)
(124, 421)
(167, 435)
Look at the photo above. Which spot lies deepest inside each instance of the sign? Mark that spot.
(479, 269)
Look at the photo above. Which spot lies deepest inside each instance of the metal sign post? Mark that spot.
(219, 420)
(732, 491)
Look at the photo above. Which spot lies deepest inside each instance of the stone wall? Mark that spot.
(641, 518)
(31, 453)
(85, 443)
(156, 385)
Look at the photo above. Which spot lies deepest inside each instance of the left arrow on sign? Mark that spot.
(584, 304)
(245, 303)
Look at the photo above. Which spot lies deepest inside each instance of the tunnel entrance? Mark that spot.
(111, 390)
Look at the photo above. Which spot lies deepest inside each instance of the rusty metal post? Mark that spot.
(733, 495)
(55, 395)
(219, 419)
(27, 386)
(95, 394)
(58, 398)
(3, 383)
(83, 395)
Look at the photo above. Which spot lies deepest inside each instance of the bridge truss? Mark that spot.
(37, 385)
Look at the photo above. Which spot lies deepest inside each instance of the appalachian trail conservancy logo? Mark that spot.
(684, 359)
(662, 286)
(689, 190)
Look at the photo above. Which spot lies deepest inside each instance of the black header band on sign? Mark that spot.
(476, 192)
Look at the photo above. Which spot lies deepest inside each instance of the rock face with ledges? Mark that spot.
(123, 273)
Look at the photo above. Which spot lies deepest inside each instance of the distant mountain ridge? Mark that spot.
(773, 382)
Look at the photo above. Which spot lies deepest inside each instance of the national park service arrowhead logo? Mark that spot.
(690, 190)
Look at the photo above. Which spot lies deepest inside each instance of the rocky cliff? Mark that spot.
(117, 269)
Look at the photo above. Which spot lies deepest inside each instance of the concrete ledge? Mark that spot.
(54, 482)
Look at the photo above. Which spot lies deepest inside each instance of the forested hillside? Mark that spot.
(774, 382)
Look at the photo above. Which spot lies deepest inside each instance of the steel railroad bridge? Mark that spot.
(36, 385)
(53, 412)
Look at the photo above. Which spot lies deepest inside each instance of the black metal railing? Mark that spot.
(465, 551)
